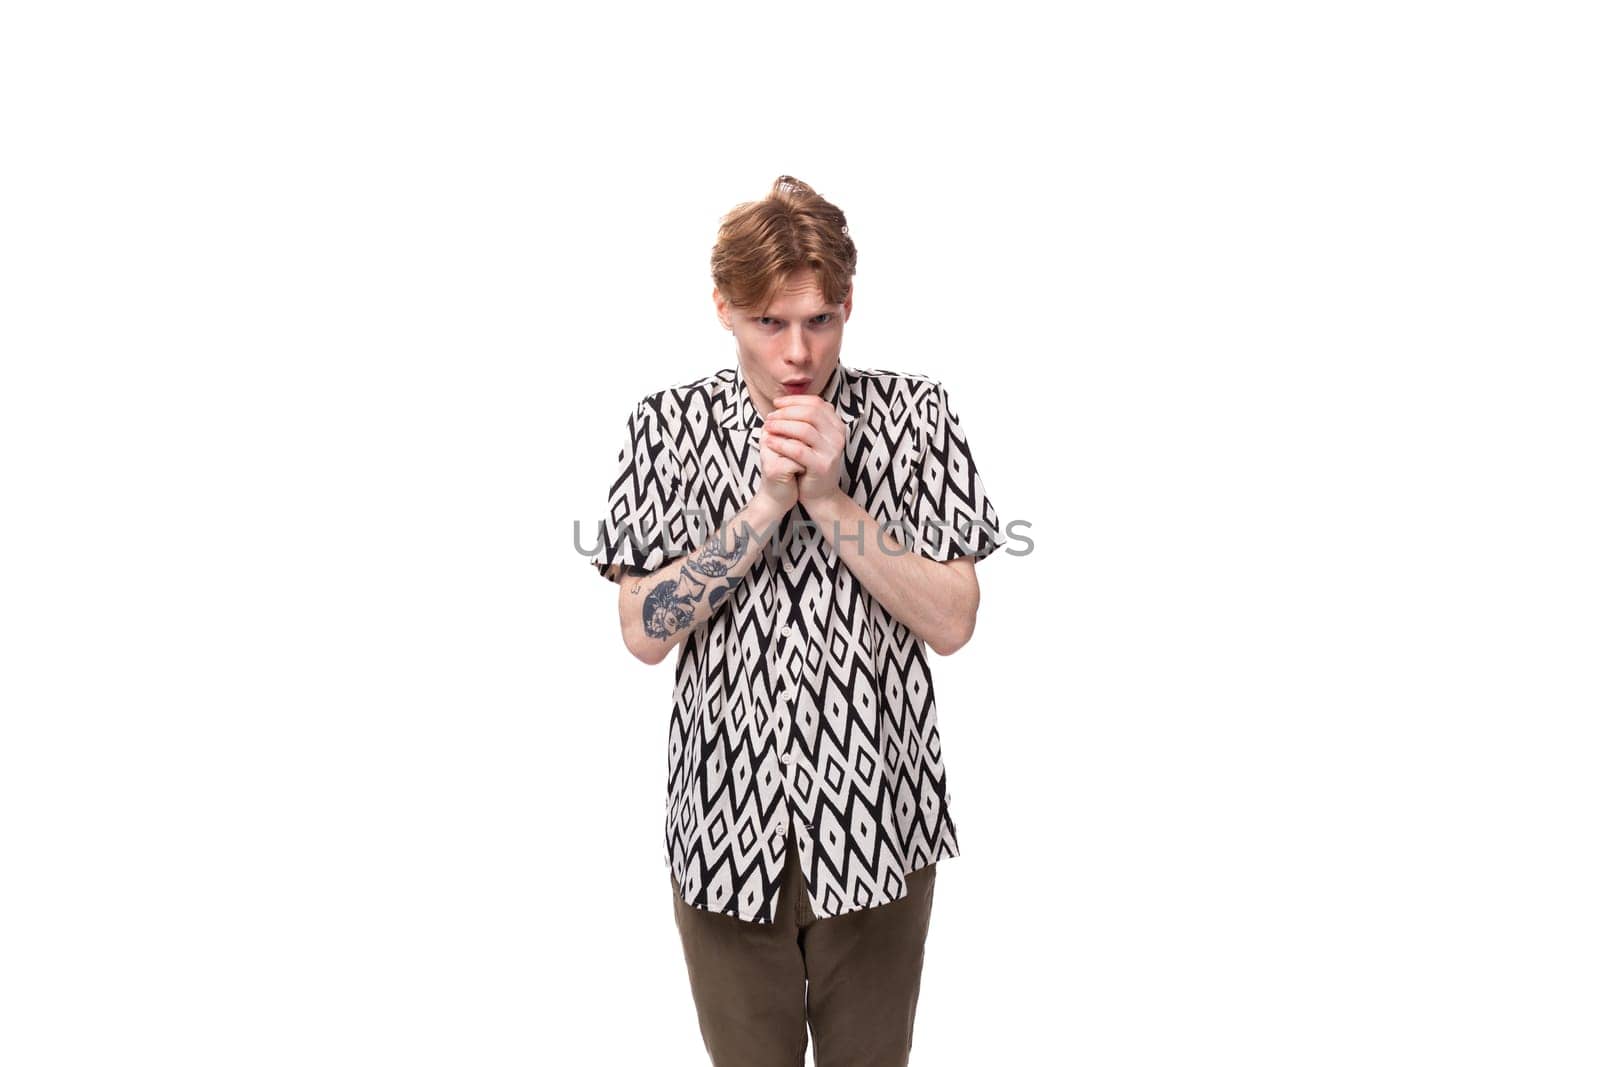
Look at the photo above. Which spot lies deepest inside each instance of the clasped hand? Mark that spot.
(807, 431)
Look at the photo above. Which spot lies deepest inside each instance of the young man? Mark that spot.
(799, 531)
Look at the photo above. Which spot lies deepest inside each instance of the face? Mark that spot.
(790, 346)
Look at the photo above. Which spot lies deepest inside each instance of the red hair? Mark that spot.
(792, 228)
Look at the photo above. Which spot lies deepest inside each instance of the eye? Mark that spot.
(766, 320)
(822, 319)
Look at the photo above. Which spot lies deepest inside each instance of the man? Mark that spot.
(799, 531)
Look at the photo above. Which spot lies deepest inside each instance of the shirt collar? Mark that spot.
(739, 410)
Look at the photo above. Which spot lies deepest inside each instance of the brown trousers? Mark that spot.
(853, 977)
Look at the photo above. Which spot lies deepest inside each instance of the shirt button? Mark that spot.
(785, 631)
(787, 758)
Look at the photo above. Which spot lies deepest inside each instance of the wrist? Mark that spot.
(763, 511)
(830, 507)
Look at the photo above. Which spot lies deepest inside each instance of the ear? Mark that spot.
(848, 297)
(724, 314)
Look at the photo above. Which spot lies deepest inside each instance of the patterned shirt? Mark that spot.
(800, 703)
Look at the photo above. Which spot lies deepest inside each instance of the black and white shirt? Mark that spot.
(801, 702)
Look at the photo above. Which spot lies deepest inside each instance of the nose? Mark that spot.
(794, 346)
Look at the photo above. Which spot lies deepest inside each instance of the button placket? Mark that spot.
(791, 640)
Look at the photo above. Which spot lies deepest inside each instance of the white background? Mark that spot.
(321, 323)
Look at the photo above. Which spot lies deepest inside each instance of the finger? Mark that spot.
(798, 430)
(823, 417)
(780, 420)
(807, 407)
(799, 452)
(789, 401)
(781, 464)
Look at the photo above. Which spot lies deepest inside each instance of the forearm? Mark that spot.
(660, 609)
(935, 601)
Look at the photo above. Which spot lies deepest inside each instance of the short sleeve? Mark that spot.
(644, 526)
(951, 512)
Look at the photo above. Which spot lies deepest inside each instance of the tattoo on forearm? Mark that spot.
(713, 560)
(665, 612)
(723, 590)
(670, 606)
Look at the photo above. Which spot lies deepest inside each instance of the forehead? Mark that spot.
(799, 296)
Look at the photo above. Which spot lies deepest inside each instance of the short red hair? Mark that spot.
(792, 228)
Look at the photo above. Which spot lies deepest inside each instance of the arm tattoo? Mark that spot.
(670, 606)
(665, 612)
(713, 561)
